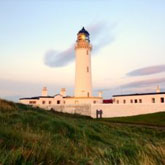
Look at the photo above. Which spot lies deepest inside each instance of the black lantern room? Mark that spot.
(83, 35)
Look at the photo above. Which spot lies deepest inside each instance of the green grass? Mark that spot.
(34, 136)
(154, 119)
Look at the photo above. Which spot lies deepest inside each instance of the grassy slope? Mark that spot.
(34, 136)
(155, 119)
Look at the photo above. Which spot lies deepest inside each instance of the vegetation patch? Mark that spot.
(154, 119)
(34, 136)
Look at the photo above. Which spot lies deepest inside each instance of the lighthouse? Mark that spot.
(83, 75)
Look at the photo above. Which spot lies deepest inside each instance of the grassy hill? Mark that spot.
(154, 119)
(34, 136)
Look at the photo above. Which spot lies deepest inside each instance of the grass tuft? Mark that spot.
(34, 136)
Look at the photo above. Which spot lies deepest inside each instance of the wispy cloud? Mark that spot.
(58, 59)
(147, 70)
(142, 86)
(144, 83)
(100, 38)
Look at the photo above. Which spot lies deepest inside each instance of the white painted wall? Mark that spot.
(73, 109)
(85, 106)
(114, 110)
(44, 91)
(83, 100)
(146, 99)
(50, 102)
(83, 79)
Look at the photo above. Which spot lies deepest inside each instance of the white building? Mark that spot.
(140, 98)
(83, 80)
(83, 102)
(132, 104)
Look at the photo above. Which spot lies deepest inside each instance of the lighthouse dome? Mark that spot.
(83, 35)
(83, 31)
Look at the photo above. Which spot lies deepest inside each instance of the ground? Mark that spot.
(35, 136)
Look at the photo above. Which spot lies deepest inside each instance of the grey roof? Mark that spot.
(36, 98)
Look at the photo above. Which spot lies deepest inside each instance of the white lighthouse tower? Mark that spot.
(83, 77)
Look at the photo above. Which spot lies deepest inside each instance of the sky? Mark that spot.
(37, 45)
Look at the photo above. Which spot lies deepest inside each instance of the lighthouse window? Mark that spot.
(153, 100)
(162, 100)
(88, 94)
(87, 69)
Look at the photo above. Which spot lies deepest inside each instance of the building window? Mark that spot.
(64, 101)
(94, 102)
(43, 102)
(140, 100)
(153, 100)
(124, 101)
(32, 102)
(117, 101)
(136, 101)
(162, 99)
(50, 102)
(58, 101)
(131, 101)
(87, 52)
(87, 69)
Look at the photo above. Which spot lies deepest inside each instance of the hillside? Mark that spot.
(154, 119)
(34, 136)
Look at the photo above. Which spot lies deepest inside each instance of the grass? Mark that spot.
(154, 119)
(34, 136)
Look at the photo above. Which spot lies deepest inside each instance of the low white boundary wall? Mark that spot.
(73, 109)
(109, 110)
(113, 110)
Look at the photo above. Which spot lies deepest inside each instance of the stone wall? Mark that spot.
(114, 110)
(73, 109)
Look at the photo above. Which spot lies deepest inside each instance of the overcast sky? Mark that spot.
(37, 45)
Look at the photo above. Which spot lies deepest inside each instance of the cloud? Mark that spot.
(58, 59)
(147, 70)
(144, 83)
(134, 87)
(99, 34)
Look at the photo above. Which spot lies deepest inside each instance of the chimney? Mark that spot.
(44, 91)
(100, 94)
(158, 89)
(63, 92)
